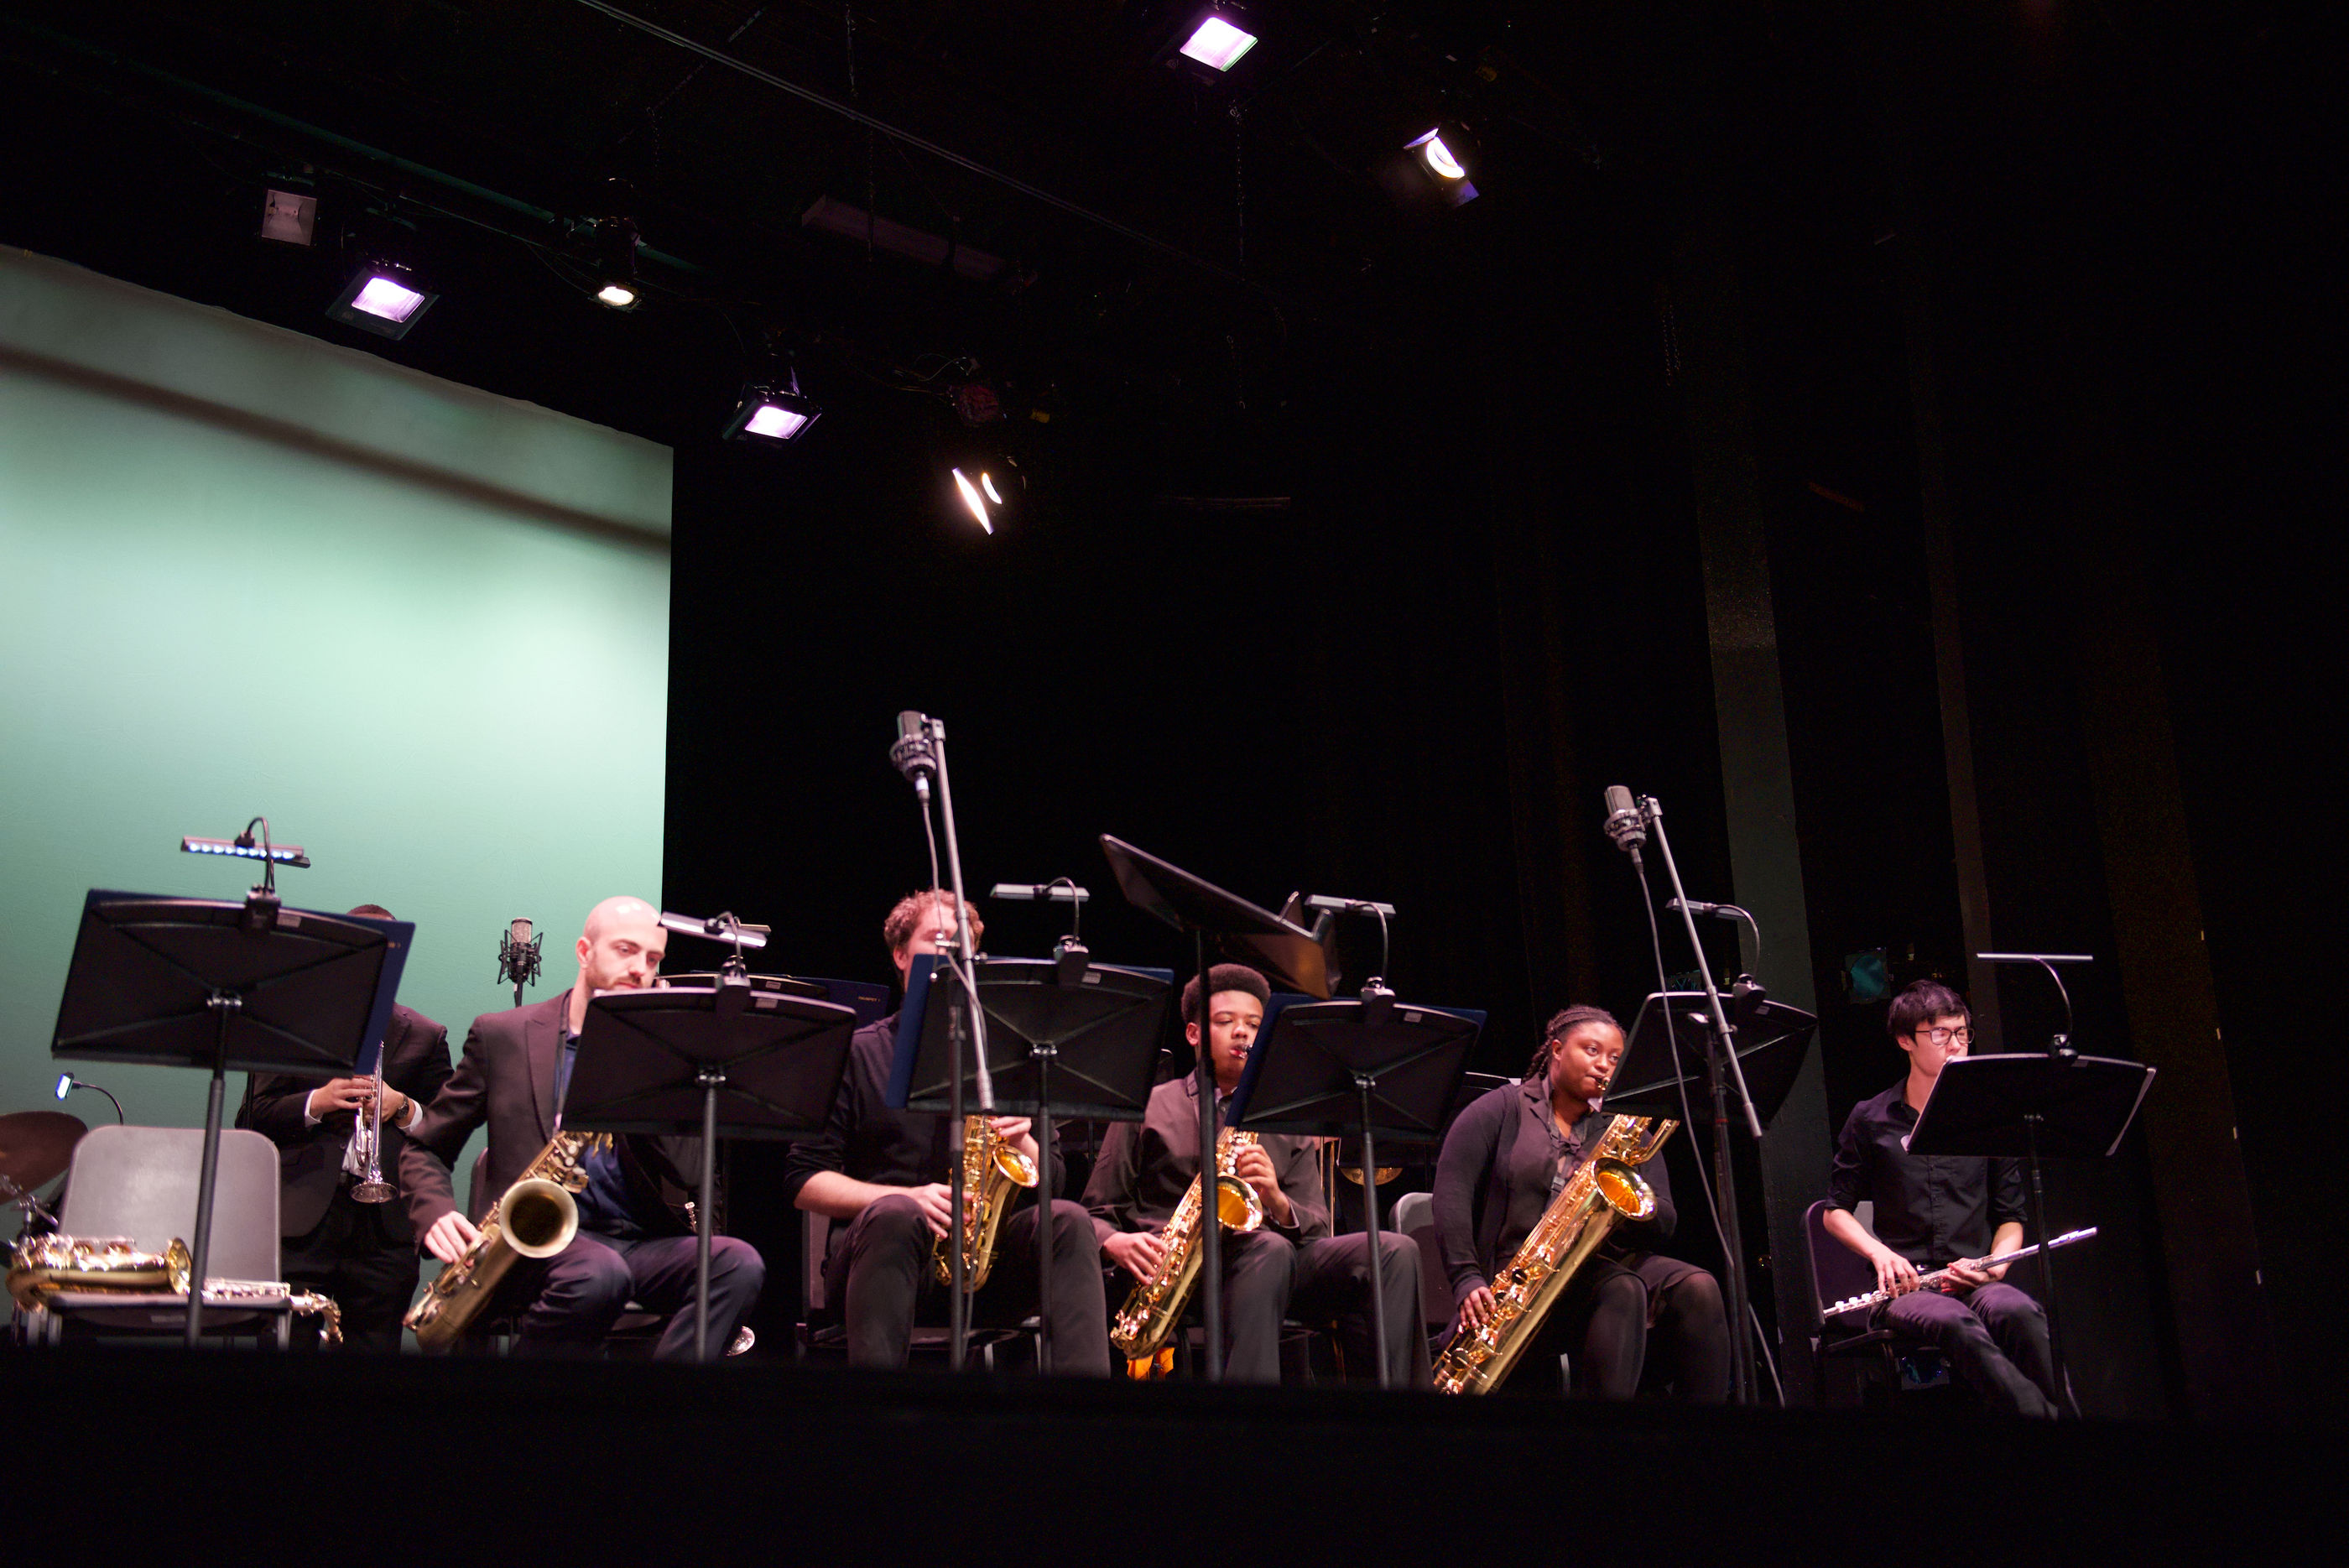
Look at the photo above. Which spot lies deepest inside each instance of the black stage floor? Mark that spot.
(169, 1455)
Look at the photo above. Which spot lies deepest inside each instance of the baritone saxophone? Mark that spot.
(536, 1218)
(1607, 1189)
(993, 1172)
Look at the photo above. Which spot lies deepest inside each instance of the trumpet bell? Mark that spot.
(373, 1192)
(538, 1218)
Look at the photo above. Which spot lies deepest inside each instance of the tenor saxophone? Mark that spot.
(536, 1218)
(1151, 1312)
(993, 1171)
(1606, 1189)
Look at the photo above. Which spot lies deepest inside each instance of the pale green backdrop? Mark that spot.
(242, 570)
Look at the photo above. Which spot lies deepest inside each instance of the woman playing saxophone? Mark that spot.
(1504, 1159)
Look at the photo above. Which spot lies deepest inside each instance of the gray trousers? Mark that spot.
(1269, 1278)
(1994, 1337)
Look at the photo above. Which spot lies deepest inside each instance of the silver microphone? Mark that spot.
(913, 754)
(1624, 824)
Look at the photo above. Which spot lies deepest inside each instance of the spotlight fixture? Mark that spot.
(289, 217)
(972, 499)
(1216, 42)
(1432, 169)
(769, 414)
(386, 299)
(615, 245)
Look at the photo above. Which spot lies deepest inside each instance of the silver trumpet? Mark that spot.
(373, 1188)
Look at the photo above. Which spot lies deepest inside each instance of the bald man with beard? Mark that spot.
(634, 1242)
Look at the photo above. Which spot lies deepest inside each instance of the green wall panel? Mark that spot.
(451, 690)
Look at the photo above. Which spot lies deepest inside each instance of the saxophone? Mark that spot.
(1150, 1314)
(992, 1173)
(1606, 1188)
(535, 1218)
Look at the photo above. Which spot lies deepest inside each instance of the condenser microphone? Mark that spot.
(1623, 824)
(913, 754)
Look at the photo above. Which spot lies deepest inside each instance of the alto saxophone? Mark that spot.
(1150, 1314)
(535, 1218)
(1608, 1187)
(992, 1173)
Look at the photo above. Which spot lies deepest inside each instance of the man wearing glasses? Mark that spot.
(1941, 1210)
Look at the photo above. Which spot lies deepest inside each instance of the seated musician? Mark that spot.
(1941, 1210)
(881, 1176)
(633, 1242)
(1504, 1157)
(1292, 1266)
(360, 1255)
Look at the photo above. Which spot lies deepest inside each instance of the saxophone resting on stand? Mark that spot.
(1606, 1188)
(1150, 1314)
(992, 1173)
(535, 1218)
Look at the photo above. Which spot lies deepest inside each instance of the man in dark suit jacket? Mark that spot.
(360, 1254)
(633, 1242)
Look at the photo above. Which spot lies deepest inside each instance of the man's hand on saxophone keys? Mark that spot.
(1141, 1254)
(1252, 1165)
(449, 1236)
(1014, 1130)
(936, 1200)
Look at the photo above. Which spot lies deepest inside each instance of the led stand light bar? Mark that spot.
(245, 849)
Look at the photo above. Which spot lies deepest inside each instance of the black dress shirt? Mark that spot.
(1145, 1167)
(1932, 1209)
(1500, 1165)
(866, 1140)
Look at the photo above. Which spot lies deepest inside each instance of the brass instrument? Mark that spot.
(371, 1187)
(992, 1171)
(1148, 1317)
(535, 1218)
(1607, 1188)
(44, 1266)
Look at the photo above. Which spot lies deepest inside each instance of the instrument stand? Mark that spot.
(1287, 954)
(1069, 1039)
(1329, 1069)
(2031, 1107)
(662, 1062)
(1720, 1049)
(210, 985)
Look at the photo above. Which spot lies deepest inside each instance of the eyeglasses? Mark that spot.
(1940, 1034)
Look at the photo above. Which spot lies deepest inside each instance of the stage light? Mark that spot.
(619, 295)
(386, 299)
(615, 245)
(289, 217)
(244, 849)
(987, 482)
(765, 414)
(1216, 44)
(1438, 157)
(971, 498)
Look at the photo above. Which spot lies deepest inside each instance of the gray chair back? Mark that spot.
(142, 1182)
(1414, 1215)
(1838, 1273)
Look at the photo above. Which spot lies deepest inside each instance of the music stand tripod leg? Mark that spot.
(221, 1003)
(1371, 1229)
(2047, 1267)
(1045, 1219)
(711, 1080)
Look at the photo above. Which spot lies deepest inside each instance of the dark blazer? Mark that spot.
(310, 1158)
(1147, 1168)
(506, 1078)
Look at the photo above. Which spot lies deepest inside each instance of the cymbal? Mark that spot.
(35, 1146)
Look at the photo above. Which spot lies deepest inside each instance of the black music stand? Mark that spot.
(1074, 1042)
(214, 984)
(1771, 1038)
(1325, 1069)
(661, 1061)
(2032, 1105)
(1284, 951)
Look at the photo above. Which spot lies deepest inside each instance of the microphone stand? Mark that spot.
(962, 1008)
(1720, 1046)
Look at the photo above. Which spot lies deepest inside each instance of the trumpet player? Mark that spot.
(360, 1254)
(632, 1243)
(879, 1176)
(1289, 1266)
(1504, 1157)
(1945, 1210)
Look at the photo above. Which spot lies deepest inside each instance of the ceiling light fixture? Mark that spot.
(385, 299)
(771, 413)
(1217, 43)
